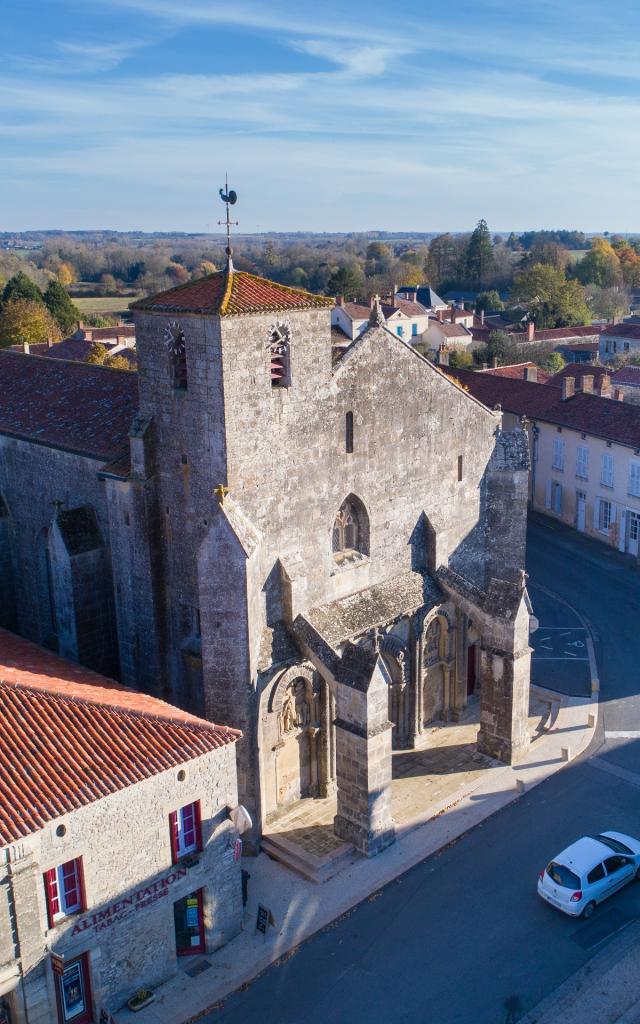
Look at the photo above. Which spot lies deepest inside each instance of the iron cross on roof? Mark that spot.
(229, 197)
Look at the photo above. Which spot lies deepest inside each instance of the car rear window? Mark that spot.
(563, 876)
(613, 844)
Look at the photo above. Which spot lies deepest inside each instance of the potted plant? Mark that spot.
(142, 998)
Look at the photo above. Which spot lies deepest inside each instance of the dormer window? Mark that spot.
(280, 353)
(177, 351)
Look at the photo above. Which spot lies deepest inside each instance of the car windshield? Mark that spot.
(562, 876)
(613, 844)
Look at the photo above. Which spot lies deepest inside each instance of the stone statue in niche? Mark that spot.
(288, 712)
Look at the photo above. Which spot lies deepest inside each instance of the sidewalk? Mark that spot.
(300, 908)
(605, 991)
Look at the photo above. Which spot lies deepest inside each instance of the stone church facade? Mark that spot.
(323, 549)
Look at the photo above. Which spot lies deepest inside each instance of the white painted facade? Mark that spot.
(586, 482)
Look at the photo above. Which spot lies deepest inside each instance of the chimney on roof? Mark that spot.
(395, 289)
(49, 342)
(339, 300)
(603, 386)
(452, 314)
(482, 317)
(25, 347)
(587, 384)
(531, 373)
(485, 366)
(87, 335)
(531, 330)
(568, 387)
(440, 315)
(494, 363)
(443, 355)
(618, 395)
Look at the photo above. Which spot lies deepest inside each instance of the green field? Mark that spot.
(105, 305)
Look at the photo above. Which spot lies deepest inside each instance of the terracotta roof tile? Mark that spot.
(71, 405)
(516, 371)
(623, 331)
(69, 736)
(579, 370)
(627, 375)
(232, 294)
(590, 414)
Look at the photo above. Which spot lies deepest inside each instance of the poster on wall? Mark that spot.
(72, 988)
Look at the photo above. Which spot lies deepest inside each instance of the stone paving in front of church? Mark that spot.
(424, 779)
(471, 790)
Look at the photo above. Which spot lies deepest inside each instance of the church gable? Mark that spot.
(379, 351)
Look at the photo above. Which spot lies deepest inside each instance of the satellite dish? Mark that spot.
(241, 819)
(233, 197)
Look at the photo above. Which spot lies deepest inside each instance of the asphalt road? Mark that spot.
(463, 935)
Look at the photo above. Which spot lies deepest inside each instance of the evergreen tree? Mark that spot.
(479, 255)
(21, 287)
(62, 309)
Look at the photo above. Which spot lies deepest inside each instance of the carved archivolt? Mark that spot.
(294, 699)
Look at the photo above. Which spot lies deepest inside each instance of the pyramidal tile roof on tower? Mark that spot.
(69, 736)
(232, 293)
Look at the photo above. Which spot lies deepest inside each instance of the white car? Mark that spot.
(589, 871)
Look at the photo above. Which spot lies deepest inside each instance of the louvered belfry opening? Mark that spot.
(279, 347)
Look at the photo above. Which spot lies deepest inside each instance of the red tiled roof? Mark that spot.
(590, 414)
(69, 737)
(623, 331)
(516, 371)
(627, 375)
(450, 330)
(579, 370)
(70, 405)
(110, 333)
(560, 333)
(232, 294)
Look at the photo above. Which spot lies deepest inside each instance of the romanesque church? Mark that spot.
(321, 546)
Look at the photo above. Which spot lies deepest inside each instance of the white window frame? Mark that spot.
(582, 462)
(606, 472)
(604, 521)
(558, 454)
(633, 486)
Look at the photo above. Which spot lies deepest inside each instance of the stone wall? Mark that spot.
(124, 842)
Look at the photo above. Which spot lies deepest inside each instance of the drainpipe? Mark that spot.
(535, 430)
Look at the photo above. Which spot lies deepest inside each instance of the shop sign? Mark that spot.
(129, 905)
(57, 964)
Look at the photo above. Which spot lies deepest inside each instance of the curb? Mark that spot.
(419, 849)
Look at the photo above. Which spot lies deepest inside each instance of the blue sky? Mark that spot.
(355, 116)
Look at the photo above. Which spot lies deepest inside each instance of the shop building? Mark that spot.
(118, 857)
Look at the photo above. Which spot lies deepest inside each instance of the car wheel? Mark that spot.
(588, 910)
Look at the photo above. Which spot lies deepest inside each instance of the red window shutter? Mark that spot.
(173, 835)
(198, 824)
(71, 886)
(51, 893)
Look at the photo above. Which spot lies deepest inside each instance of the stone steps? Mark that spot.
(314, 869)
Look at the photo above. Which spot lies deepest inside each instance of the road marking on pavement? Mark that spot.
(571, 629)
(572, 657)
(628, 734)
(613, 769)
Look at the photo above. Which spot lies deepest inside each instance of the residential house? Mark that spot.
(585, 452)
(619, 340)
(403, 317)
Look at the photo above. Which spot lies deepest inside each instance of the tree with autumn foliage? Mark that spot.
(552, 300)
(24, 320)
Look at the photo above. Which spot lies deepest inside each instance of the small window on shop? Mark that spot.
(185, 831)
(74, 993)
(189, 924)
(64, 890)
